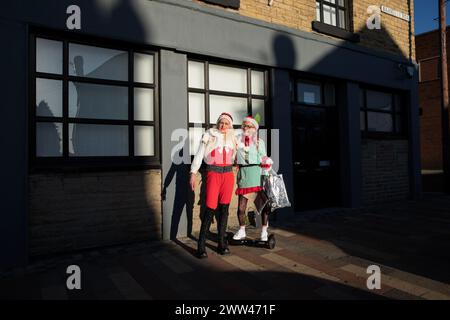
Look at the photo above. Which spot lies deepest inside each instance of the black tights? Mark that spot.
(241, 212)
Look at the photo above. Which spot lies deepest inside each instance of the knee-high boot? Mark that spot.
(206, 224)
(222, 246)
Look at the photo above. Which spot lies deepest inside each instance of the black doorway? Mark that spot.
(315, 146)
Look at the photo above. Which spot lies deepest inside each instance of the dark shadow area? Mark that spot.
(411, 236)
(432, 181)
(184, 196)
(185, 278)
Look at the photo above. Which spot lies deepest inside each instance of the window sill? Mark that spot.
(81, 166)
(383, 135)
(233, 4)
(334, 31)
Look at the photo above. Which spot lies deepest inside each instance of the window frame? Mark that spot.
(248, 95)
(337, 7)
(65, 162)
(403, 134)
(336, 31)
(421, 61)
(294, 80)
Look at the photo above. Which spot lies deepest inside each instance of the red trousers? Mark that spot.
(219, 188)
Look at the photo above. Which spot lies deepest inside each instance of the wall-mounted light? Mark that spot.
(270, 2)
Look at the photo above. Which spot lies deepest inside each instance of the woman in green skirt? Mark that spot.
(253, 162)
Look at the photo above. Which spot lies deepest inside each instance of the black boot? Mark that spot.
(222, 247)
(206, 224)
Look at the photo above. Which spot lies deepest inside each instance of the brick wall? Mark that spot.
(430, 125)
(428, 52)
(394, 36)
(384, 170)
(76, 211)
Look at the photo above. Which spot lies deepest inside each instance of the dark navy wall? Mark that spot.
(186, 26)
(13, 143)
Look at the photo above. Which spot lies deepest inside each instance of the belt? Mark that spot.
(249, 165)
(220, 169)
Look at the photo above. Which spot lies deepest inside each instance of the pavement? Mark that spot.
(322, 254)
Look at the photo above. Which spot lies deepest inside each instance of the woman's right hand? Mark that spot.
(192, 181)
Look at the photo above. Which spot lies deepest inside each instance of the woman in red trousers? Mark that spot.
(218, 150)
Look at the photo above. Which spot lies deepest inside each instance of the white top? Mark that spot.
(213, 139)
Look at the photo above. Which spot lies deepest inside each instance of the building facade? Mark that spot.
(428, 57)
(97, 92)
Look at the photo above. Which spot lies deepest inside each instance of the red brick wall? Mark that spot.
(427, 52)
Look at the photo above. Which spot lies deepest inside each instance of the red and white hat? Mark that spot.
(225, 115)
(251, 120)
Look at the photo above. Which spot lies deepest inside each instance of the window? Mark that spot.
(92, 104)
(382, 113)
(333, 19)
(429, 69)
(333, 12)
(314, 93)
(214, 88)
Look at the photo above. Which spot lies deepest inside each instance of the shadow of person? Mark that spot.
(48, 133)
(286, 57)
(184, 196)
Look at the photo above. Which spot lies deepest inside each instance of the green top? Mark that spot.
(248, 177)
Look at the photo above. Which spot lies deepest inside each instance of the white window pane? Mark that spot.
(195, 135)
(379, 100)
(196, 107)
(362, 120)
(317, 11)
(196, 74)
(98, 140)
(309, 93)
(143, 104)
(144, 141)
(379, 122)
(49, 56)
(48, 98)
(329, 15)
(48, 139)
(237, 107)
(227, 79)
(341, 19)
(331, 1)
(341, 3)
(258, 82)
(258, 108)
(143, 67)
(97, 101)
(94, 62)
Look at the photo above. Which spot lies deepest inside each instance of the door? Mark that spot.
(316, 157)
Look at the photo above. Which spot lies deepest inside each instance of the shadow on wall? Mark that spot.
(184, 196)
(103, 207)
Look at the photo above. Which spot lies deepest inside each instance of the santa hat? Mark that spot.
(251, 120)
(227, 116)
